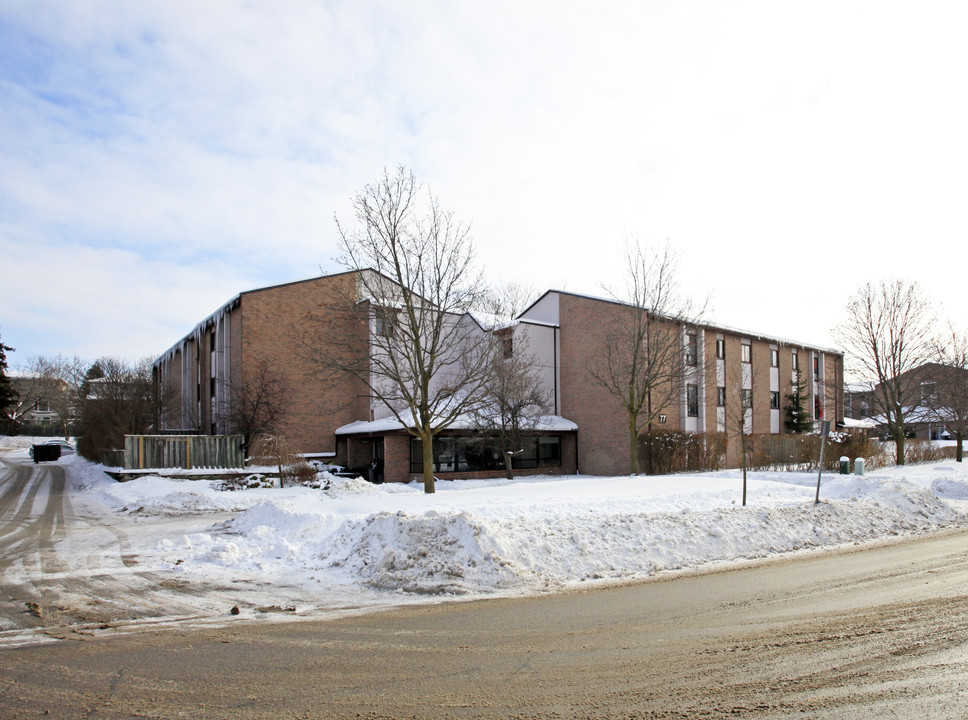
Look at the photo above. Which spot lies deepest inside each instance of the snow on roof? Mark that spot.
(546, 423)
(859, 424)
(918, 414)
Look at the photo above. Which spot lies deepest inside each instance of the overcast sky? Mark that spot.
(158, 158)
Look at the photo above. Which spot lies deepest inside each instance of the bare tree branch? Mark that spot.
(425, 358)
(888, 334)
(644, 362)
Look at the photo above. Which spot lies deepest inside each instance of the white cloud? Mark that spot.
(793, 152)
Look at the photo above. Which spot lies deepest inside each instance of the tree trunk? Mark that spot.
(742, 436)
(899, 445)
(428, 464)
(634, 443)
(508, 466)
(958, 451)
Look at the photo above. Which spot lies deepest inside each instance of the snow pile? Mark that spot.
(164, 495)
(347, 542)
(462, 551)
(432, 553)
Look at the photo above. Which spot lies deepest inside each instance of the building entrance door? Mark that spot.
(376, 461)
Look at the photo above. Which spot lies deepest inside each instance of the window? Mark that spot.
(817, 408)
(929, 392)
(746, 353)
(472, 454)
(774, 357)
(383, 322)
(721, 348)
(774, 401)
(507, 346)
(747, 397)
(720, 397)
(692, 400)
(796, 361)
(816, 365)
(692, 353)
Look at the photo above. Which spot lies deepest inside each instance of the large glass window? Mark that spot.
(692, 353)
(692, 400)
(472, 454)
(746, 351)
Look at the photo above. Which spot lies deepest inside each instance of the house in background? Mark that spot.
(38, 400)
(925, 396)
(584, 429)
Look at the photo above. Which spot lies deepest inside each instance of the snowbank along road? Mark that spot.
(83, 553)
(857, 634)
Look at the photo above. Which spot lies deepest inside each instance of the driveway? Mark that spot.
(64, 571)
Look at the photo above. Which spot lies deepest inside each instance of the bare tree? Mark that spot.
(645, 361)
(258, 402)
(504, 302)
(514, 400)
(55, 380)
(268, 449)
(426, 359)
(951, 386)
(742, 380)
(887, 335)
(117, 399)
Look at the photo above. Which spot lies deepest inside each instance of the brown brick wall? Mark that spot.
(273, 322)
(266, 323)
(603, 434)
(603, 446)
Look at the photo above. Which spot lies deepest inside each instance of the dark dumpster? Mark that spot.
(46, 453)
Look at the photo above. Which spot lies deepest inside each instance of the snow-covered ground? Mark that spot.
(350, 543)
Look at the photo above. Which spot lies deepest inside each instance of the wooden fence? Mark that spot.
(183, 451)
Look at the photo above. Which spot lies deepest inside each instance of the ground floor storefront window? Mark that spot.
(472, 454)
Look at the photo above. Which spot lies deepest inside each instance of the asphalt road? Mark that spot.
(864, 633)
(61, 570)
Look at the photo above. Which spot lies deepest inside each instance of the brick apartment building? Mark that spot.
(585, 429)
(568, 333)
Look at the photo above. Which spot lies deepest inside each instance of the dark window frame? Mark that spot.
(473, 453)
(746, 353)
(384, 322)
(692, 350)
(692, 400)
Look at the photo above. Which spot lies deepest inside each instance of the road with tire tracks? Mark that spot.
(865, 632)
(64, 573)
